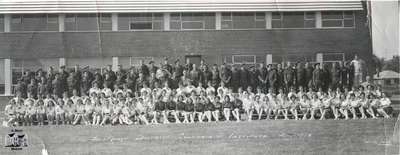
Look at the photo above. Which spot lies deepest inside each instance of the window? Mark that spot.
(52, 18)
(105, 18)
(243, 20)
(243, 59)
(146, 21)
(16, 19)
(288, 57)
(293, 19)
(135, 61)
(70, 18)
(1, 18)
(192, 21)
(226, 21)
(309, 19)
(338, 19)
(333, 57)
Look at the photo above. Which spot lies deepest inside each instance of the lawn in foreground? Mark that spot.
(257, 137)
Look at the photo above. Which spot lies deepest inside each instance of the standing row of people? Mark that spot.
(280, 76)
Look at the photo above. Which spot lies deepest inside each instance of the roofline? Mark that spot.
(133, 6)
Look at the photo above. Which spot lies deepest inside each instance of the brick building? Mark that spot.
(37, 34)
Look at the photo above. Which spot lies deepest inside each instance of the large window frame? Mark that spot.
(179, 19)
(152, 21)
(244, 62)
(51, 18)
(305, 20)
(343, 19)
(341, 54)
(230, 21)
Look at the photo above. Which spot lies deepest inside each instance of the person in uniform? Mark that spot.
(57, 86)
(325, 77)
(188, 65)
(143, 69)
(253, 78)
(343, 75)
(235, 84)
(273, 78)
(178, 69)
(244, 77)
(262, 76)
(77, 78)
(206, 75)
(131, 78)
(280, 83)
(300, 75)
(308, 76)
(32, 88)
(215, 78)
(335, 75)
(194, 75)
(289, 77)
(316, 78)
(63, 76)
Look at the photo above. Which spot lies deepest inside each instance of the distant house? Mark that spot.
(387, 78)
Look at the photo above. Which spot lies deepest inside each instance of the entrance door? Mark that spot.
(194, 59)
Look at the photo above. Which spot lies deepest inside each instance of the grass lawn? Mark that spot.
(373, 137)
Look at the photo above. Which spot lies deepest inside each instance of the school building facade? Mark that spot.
(38, 34)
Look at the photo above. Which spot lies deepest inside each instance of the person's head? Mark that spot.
(368, 78)
(356, 57)
(259, 90)
(261, 65)
(304, 97)
(227, 98)
(249, 89)
(301, 89)
(292, 89)
(270, 90)
(29, 95)
(362, 95)
(187, 61)
(280, 91)
(240, 90)
(383, 95)
(76, 67)
(315, 96)
(65, 95)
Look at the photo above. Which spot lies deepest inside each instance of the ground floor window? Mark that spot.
(333, 57)
(2, 77)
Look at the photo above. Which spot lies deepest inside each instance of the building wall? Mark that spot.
(214, 45)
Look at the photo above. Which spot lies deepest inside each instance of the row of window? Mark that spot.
(180, 21)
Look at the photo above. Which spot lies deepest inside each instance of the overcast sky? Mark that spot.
(385, 28)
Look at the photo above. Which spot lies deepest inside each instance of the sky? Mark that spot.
(385, 28)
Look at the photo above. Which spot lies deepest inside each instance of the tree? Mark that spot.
(392, 64)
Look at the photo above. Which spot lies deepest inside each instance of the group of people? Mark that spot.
(189, 93)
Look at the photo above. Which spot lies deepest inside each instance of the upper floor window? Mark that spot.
(337, 19)
(105, 18)
(243, 20)
(293, 19)
(70, 18)
(146, 21)
(16, 19)
(192, 21)
(52, 18)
